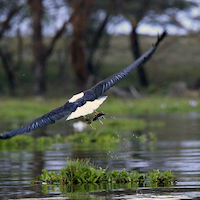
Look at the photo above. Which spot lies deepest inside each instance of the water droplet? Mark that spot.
(92, 127)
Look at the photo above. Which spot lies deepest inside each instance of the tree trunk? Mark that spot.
(137, 53)
(19, 50)
(39, 51)
(79, 21)
(9, 72)
(6, 57)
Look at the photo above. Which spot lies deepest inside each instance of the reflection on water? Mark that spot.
(177, 149)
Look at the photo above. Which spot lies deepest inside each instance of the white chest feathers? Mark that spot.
(76, 96)
(87, 108)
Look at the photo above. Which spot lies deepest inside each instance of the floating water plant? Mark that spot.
(161, 179)
(81, 171)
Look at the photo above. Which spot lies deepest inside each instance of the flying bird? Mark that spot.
(88, 101)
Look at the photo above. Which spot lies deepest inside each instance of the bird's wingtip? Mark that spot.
(161, 37)
(4, 136)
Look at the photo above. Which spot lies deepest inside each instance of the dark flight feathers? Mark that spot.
(89, 95)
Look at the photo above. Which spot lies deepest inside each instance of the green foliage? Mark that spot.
(75, 172)
(20, 142)
(125, 177)
(106, 135)
(160, 75)
(161, 179)
(81, 171)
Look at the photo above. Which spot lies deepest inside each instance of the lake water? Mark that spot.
(177, 150)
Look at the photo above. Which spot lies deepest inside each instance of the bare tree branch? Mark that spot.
(5, 25)
(57, 35)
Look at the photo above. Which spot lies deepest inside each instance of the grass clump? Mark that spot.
(81, 171)
(75, 172)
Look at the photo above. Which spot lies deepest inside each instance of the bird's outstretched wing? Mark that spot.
(77, 102)
(46, 119)
(109, 82)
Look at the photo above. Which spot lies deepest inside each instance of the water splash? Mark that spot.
(93, 127)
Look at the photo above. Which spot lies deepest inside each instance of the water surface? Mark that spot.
(177, 150)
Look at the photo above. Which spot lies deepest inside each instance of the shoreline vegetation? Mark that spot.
(31, 108)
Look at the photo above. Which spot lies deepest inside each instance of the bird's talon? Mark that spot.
(98, 115)
(87, 120)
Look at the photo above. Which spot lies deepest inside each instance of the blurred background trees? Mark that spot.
(40, 48)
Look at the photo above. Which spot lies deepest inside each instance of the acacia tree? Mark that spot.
(103, 12)
(41, 51)
(89, 26)
(79, 20)
(150, 12)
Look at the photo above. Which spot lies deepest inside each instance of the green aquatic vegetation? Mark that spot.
(124, 177)
(26, 142)
(107, 134)
(75, 172)
(81, 171)
(161, 179)
(106, 137)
